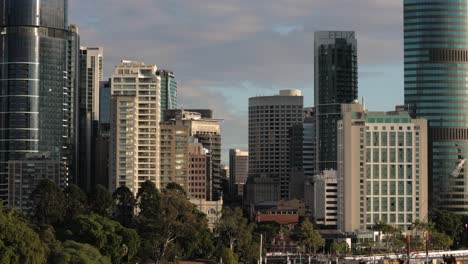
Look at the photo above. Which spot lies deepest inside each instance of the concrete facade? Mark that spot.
(238, 170)
(382, 169)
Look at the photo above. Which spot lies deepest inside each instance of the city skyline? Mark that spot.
(226, 52)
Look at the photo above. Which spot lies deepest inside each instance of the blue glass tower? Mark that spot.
(36, 108)
(168, 91)
(436, 88)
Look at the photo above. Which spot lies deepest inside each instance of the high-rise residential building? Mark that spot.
(238, 170)
(168, 90)
(270, 118)
(135, 116)
(36, 110)
(174, 154)
(207, 131)
(197, 172)
(91, 74)
(336, 82)
(24, 176)
(382, 169)
(436, 65)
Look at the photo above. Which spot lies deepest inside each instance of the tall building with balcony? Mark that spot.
(168, 90)
(135, 131)
(382, 169)
(436, 67)
(91, 74)
(198, 169)
(36, 87)
(336, 83)
(270, 119)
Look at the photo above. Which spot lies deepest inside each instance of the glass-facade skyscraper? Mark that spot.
(436, 88)
(35, 97)
(168, 91)
(336, 83)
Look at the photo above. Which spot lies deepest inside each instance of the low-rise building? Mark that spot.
(212, 209)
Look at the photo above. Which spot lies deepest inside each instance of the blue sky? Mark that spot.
(225, 51)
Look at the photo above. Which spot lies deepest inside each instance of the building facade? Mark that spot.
(308, 144)
(135, 131)
(174, 154)
(336, 82)
(323, 202)
(36, 110)
(198, 169)
(270, 119)
(168, 91)
(207, 131)
(238, 170)
(436, 64)
(91, 74)
(24, 176)
(382, 169)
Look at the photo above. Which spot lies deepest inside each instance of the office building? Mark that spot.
(238, 171)
(135, 131)
(168, 90)
(207, 131)
(296, 162)
(382, 169)
(336, 82)
(174, 154)
(91, 74)
(270, 118)
(308, 146)
(36, 111)
(436, 65)
(197, 173)
(24, 176)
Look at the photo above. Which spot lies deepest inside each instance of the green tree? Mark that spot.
(176, 187)
(124, 205)
(310, 238)
(148, 199)
(75, 201)
(72, 252)
(48, 203)
(439, 240)
(339, 247)
(176, 229)
(110, 237)
(18, 241)
(100, 201)
(236, 233)
(228, 257)
(447, 222)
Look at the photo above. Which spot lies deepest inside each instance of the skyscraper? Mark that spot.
(270, 118)
(436, 68)
(336, 82)
(91, 74)
(238, 170)
(36, 112)
(168, 91)
(134, 135)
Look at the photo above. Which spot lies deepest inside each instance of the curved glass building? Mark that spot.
(436, 88)
(35, 102)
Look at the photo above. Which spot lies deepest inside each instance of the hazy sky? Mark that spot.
(225, 51)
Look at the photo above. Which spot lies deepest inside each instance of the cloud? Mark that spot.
(224, 51)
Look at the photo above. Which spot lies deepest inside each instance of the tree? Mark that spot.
(124, 205)
(310, 238)
(447, 222)
(148, 199)
(439, 240)
(176, 187)
(75, 201)
(110, 237)
(100, 201)
(339, 247)
(48, 203)
(228, 257)
(73, 252)
(18, 241)
(176, 229)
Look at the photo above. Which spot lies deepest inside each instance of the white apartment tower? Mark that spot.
(135, 117)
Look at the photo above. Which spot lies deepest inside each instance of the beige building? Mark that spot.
(382, 168)
(135, 116)
(322, 197)
(174, 154)
(212, 210)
